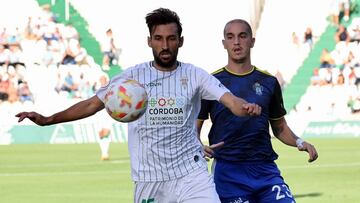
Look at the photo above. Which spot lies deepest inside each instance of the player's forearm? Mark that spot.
(238, 107)
(199, 124)
(235, 104)
(77, 111)
(282, 131)
(287, 137)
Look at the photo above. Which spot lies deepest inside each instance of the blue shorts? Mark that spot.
(258, 182)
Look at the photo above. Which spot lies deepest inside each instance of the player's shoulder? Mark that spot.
(218, 71)
(132, 72)
(137, 68)
(188, 65)
(143, 65)
(263, 72)
(192, 67)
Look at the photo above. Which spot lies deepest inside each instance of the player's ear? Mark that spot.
(223, 42)
(252, 42)
(181, 41)
(149, 41)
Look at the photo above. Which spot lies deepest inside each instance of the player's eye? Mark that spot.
(243, 35)
(157, 38)
(229, 37)
(172, 38)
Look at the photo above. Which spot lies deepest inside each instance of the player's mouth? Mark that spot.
(165, 55)
(237, 50)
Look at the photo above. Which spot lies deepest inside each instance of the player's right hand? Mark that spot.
(33, 116)
(252, 109)
(209, 150)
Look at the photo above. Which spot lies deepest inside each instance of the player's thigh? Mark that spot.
(198, 187)
(278, 193)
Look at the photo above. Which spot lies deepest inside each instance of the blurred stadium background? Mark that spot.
(50, 57)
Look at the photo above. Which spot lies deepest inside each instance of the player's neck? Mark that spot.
(239, 68)
(165, 69)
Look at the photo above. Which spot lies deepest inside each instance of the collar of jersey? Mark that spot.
(243, 74)
(178, 64)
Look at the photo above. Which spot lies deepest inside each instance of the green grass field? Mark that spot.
(74, 173)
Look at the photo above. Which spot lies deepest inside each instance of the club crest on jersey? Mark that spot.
(258, 88)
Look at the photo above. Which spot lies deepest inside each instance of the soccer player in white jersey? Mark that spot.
(104, 131)
(167, 161)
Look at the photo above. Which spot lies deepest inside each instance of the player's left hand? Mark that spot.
(305, 146)
(209, 150)
(252, 109)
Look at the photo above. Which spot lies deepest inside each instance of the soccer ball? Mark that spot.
(125, 100)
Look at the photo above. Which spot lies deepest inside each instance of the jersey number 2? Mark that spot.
(277, 188)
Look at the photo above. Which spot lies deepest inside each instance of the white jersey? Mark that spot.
(163, 143)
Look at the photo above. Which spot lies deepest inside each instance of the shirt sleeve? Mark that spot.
(277, 109)
(210, 87)
(205, 109)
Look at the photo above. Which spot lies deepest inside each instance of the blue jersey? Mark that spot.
(245, 138)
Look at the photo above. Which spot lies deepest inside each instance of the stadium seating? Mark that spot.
(42, 77)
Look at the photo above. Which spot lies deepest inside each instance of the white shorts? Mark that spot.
(197, 187)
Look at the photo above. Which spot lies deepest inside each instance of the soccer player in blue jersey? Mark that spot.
(244, 168)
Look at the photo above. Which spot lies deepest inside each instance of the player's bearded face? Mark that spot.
(166, 58)
(165, 44)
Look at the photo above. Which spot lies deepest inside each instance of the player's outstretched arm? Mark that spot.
(282, 131)
(239, 106)
(78, 111)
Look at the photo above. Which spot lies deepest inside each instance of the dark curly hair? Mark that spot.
(162, 16)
